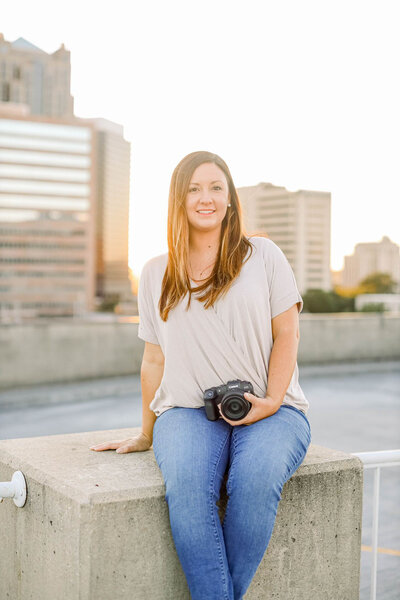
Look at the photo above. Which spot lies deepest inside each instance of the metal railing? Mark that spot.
(376, 460)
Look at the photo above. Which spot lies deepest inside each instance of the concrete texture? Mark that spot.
(67, 351)
(96, 525)
(348, 337)
(70, 350)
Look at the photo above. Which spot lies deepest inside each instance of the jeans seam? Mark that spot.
(298, 462)
(213, 509)
(300, 458)
(231, 472)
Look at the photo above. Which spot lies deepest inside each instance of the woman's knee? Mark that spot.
(262, 479)
(265, 470)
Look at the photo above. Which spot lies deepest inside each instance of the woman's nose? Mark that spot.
(205, 197)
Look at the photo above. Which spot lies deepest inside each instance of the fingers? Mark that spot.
(113, 445)
(136, 444)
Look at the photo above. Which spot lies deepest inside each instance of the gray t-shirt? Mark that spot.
(204, 348)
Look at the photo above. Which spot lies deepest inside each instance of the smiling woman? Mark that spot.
(240, 328)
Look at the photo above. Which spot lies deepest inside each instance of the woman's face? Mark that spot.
(208, 191)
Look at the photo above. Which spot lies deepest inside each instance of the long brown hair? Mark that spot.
(233, 243)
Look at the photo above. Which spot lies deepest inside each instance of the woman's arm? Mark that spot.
(282, 361)
(151, 373)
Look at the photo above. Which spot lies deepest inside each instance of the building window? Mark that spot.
(5, 92)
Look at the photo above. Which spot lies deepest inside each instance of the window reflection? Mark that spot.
(54, 130)
(14, 216)
(46, 218)
(44, 158)
(59, 202)
(34, 172)
(43, 144)
(46, 187)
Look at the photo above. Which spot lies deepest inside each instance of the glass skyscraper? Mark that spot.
(47, 217)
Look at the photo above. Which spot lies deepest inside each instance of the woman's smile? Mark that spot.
(206, 212)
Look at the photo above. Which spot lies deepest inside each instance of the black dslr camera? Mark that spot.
(234, 405)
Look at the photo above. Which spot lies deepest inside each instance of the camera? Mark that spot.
(234, 405)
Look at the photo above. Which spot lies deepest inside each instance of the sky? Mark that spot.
(303, 94)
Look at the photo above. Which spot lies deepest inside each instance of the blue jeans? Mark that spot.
(193, 453)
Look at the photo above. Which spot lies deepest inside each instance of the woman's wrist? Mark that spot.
(275, 400)
(147, 436)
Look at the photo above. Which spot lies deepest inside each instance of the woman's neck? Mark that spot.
(204, 244)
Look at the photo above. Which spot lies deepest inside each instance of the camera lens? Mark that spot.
(235, 407)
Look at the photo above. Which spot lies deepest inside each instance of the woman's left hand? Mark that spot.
(260, 409)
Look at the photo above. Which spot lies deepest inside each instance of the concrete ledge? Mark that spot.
(96, 526)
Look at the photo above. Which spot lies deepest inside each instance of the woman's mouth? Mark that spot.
(205, 212)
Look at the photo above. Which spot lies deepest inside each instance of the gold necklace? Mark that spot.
(201, 272)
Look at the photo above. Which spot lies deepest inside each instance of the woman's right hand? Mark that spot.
(139, 443)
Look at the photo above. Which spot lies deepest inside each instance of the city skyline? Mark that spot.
(273, 92)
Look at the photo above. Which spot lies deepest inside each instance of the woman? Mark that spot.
(240, 322)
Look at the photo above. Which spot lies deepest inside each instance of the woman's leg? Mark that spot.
(264, 455)
(192, 453)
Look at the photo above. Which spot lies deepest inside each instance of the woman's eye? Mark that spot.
(195, 189)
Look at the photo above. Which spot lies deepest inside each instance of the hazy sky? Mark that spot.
(304, 94)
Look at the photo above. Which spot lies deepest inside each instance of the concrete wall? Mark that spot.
(56, 351)
(96, 526)
(348, 337)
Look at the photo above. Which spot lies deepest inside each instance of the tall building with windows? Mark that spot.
(47, 216)
(31, 76)
(299, 223)
(33, 83)
(369, 258)
(112, 211)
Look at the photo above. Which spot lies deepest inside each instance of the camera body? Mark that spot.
(230, 396)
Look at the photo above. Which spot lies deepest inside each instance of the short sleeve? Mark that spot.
(147, 325)
(283, 289)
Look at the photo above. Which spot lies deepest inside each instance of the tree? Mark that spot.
(373, 307)
(319, 301)
(109, 303)
(347, 292)
(377, 283)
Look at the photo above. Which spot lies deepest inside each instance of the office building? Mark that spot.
(47, 216)
(372, 257)
(112, 211)
(31, 76)
(33, 82)
(299, 223)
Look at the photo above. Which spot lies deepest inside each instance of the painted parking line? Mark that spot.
(381, 550)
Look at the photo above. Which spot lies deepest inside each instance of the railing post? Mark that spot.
(376, 460)
(15, 489)
(375, 519)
